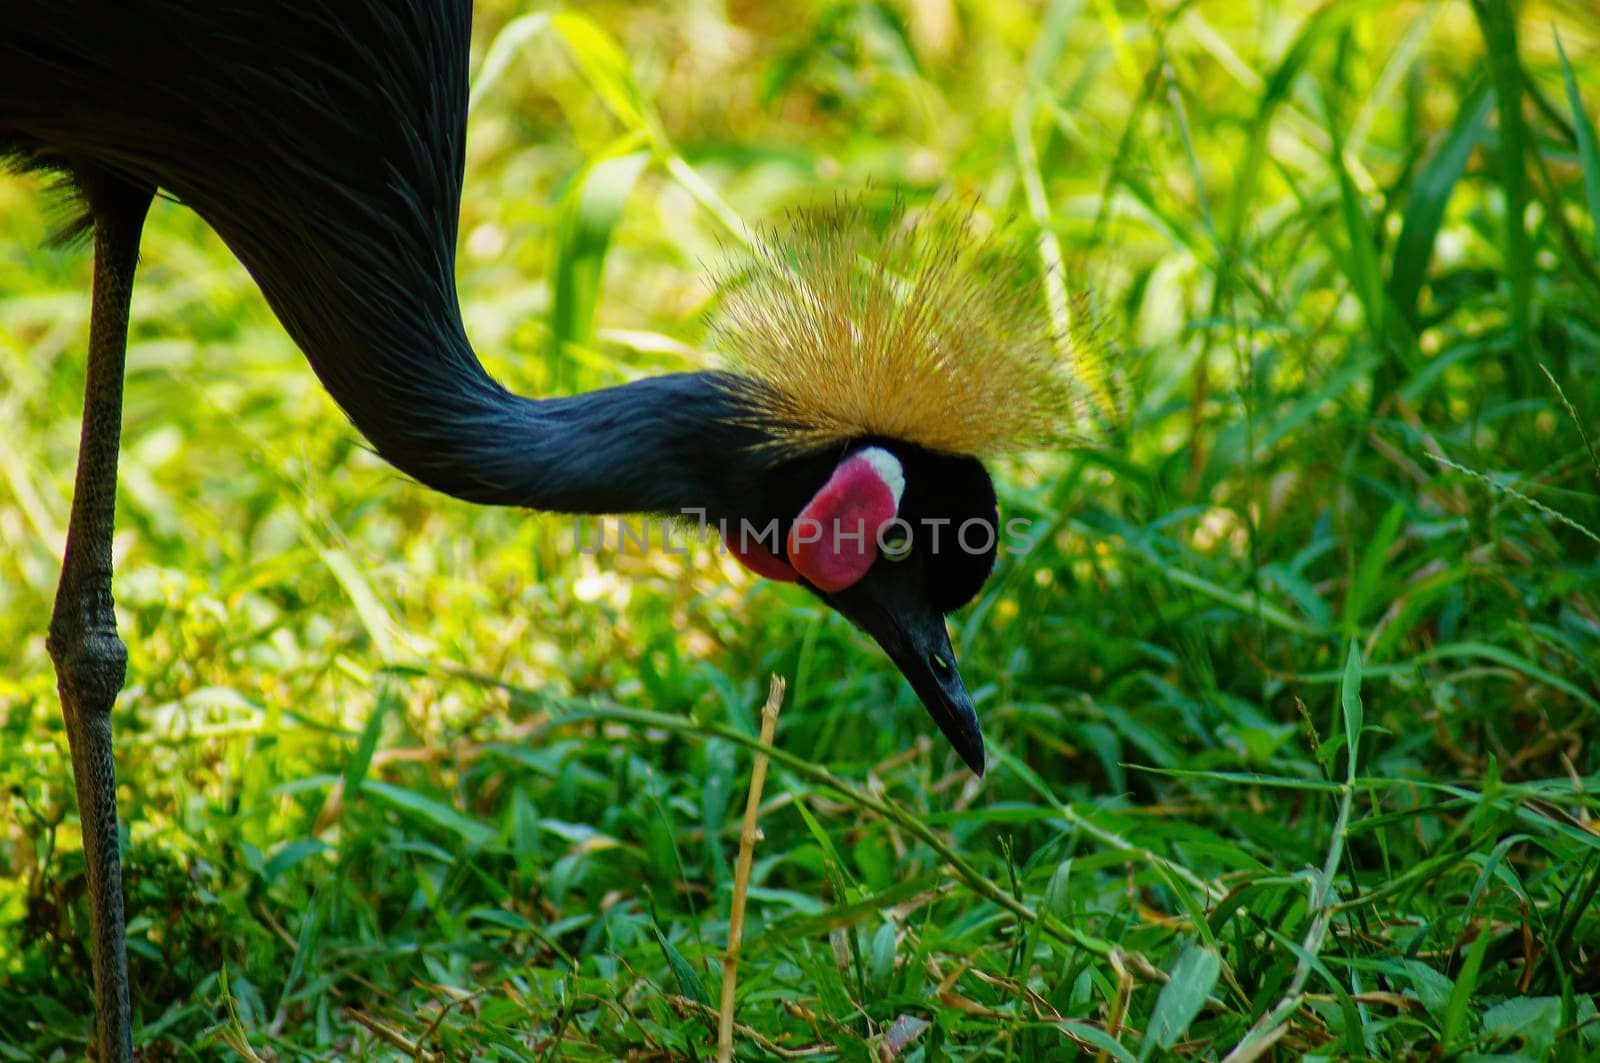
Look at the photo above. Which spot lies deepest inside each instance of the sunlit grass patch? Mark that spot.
(1290, 699)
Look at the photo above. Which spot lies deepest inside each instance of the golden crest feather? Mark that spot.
(928, 329)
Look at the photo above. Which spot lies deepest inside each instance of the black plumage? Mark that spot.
(323, 140)
(324, 144)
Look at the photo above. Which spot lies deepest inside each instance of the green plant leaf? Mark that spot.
(1192, 979)
(683, 972)
(1455, 1012)
(585, 219)
(1350, 703)
(605, 67)
(1429, 195)
(440, 815)
(1588, 152)
(511, 39)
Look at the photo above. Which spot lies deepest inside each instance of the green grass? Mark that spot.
(1290, 707)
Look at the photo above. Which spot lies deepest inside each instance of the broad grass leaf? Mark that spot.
(1455, 1012)
(1498, 22)
(1432, 987)
(1361, 261)
(1350, 703)
(290, 854)
(511, 39)
(605, 67)
(838, 875)
(1369, 572)
(1246, 602)
(1430, 194)
(688, 979)
(809, 924)
(305, 953)
(1275, 92)
(880, 963)
(1058, 894)
(1094, 1036)
(502, 918)
(355, 769)
(1193, 978)
(585, 219)
(435, 813)
(369, 607)
(716, 792)
(1534, 1021)
(1588, 152)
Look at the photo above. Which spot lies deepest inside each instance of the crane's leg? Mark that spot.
(90, 659)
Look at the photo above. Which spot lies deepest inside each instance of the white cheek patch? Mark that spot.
(888, 469)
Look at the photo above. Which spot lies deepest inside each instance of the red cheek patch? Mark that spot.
(834, 541)
(758, 559)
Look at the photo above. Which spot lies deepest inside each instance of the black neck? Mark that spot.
(412, 385)
(665, 445)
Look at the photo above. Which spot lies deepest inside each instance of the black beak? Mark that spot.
(914, 636)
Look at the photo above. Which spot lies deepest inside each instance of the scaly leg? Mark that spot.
(90, 659)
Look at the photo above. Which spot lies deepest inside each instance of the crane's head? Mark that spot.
(894, 537)
(881, 363)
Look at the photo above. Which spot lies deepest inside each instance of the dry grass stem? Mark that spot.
(689, 1006)
(393, 1037)
(741, 876)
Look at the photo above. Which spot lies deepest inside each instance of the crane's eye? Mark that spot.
(896, 546)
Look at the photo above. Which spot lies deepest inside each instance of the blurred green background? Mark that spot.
(381, 790)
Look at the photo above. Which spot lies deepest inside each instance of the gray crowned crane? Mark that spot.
(323, 141)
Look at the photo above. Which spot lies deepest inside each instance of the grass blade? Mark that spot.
(1350, 703)
(1430, 194)
(588, 214)
(355, 769)
(683, 972)
(1181, 999)
(1455, 1012)
(1361, 259)
(605, 67)
(1588, 152)
(1368, 576)
(474, 834)
(507, 43)
(1499, 28)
